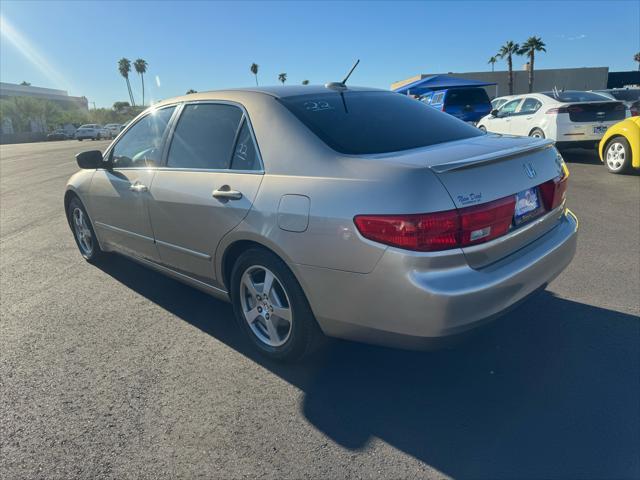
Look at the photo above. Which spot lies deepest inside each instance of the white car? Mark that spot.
(91, 131)
(571, 118)
(113, 128)
(499, 101)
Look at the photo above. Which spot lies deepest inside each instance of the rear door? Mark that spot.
(522, 120)
(206, 187)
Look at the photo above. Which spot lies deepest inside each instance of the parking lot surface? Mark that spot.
(119, 372)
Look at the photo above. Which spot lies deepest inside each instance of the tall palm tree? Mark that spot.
(529, 48)
(254, 69)
(191, 90)
(141, 68)
(636, 58)
(124, 67)
(492, 61)
(305, 82)
(508, 50)
(282, 77)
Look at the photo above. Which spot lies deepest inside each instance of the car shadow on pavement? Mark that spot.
(548, 391)
(586, 156)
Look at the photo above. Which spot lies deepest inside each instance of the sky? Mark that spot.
(75, 46)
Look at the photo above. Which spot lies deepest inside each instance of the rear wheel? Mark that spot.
(536, 133)
(83, 231)
(617, 155)
(271, 307)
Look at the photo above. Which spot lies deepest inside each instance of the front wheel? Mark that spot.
(536, 133)
(271, 307)
(482, 128)
(617, 155)
(83, 232)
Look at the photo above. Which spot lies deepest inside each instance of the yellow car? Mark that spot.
(619, 149)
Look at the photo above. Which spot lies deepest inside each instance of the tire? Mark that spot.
(537, 133)
(617, 155)
(483, 128)
(271, 334)
(79, 139)
(86, 241)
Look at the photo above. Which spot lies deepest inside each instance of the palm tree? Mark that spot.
(305, 82)
(141, 68)
(492, 61)
(529, 48)
(254, 69)
(636, 58)
(282, 77)
(124, 66)
(191, 90)
(508, 50)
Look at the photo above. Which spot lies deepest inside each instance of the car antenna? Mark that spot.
(343, 84)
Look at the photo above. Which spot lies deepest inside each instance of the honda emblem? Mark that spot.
(529, 170)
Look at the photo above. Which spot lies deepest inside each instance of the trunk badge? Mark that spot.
(529, 170)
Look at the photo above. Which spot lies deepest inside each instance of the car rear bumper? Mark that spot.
(416, 301)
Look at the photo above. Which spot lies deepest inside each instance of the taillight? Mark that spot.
(554, 191)
(558, 110)
(441, 230)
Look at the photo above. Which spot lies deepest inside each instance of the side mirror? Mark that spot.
(90, 160)
(494, 112)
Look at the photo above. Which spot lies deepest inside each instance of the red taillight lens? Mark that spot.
(554, 191)
(440, 230)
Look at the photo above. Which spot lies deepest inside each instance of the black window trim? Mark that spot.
(174, 123)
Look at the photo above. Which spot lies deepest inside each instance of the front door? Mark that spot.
(206, 188)
(501, 123)
(120, 194)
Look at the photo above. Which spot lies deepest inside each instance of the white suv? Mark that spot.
(571, 118)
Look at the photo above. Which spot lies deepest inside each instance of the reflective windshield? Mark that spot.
(375, 122)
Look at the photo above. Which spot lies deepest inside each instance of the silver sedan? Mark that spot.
(329, 210)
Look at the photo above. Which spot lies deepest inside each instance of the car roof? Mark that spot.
(277, 91)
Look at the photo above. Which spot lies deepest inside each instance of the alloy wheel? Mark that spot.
(616, 156)
(82, 231)
(266, 306)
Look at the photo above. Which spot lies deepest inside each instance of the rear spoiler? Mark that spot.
(492, 157)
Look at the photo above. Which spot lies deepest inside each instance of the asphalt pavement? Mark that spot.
(120, 372)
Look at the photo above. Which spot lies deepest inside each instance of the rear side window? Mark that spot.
(204, 136)
(437, 98)
(245, 155)
(530, 105)
(141, 145)
(466, 96)
(359, 123)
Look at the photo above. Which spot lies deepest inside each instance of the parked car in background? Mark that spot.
(58, 134)
(91, 131)
(619, 149)
(630, 97)
(114, 129)
(469, 104)
(571, 118)
(311, 218)
(497, 102)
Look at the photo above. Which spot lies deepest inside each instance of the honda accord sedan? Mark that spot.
(329, 210)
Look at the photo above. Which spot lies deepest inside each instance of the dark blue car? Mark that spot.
(469, 104)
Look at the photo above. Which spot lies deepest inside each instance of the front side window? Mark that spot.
(141, 145)
(370, 122)
(509, 107)
(204, 136)
(530, 105)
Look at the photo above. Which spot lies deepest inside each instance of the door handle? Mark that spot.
(225, 193)
(138, 187)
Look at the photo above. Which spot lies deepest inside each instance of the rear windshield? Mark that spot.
(575, 96)
(466, 96)
(625, 95)
(359, 123)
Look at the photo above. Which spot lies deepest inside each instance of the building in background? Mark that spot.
(587, 78)
(61, 97)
